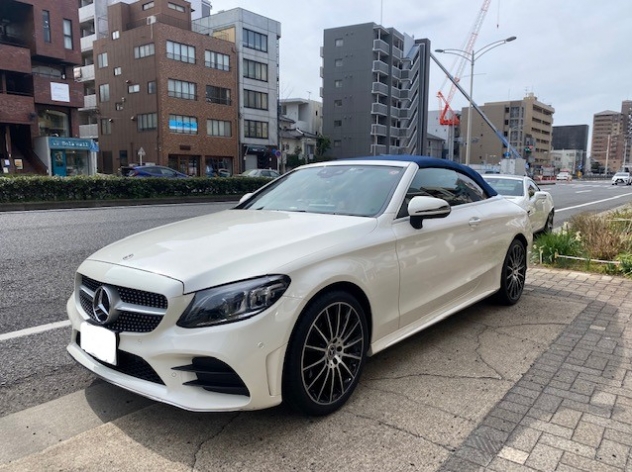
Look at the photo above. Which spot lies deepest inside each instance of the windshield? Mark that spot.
(357, 190)
(621, 174)
(507, 187)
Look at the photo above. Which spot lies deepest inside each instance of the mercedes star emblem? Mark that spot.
(103, 305)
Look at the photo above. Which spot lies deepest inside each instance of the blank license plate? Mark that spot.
(99, 342)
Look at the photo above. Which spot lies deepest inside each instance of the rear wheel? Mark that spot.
(513, 274)
(326, 354)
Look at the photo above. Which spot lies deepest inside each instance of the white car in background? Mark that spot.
(622, 178)
(526, 193)
(564, 176)
(283, 297)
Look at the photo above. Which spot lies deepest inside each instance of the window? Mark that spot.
(147, 121)
(338, 83)
(181, 89)
(257, 100)
(338, 62)
(116, 34)
(133, 88)
(144, 50)
(183, 124)
(256, 129)
(46, 25)
(452, 186)
(216, 60)
(102, 60)
(118, 106)
(106, 126)
(68, 34)
(254, 40)
(337, 123)
(255, 70)
(151, 87)
(218, 128)
(218, 95)
(181, 52)
(148, 5)
(337, 143)
(337, 103)
(175, 7)
(339, 42)
(104, 92)
(117, 71)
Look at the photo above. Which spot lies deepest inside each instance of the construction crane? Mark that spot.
(447, 116)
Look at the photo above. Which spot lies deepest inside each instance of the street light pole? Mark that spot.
(472, 57)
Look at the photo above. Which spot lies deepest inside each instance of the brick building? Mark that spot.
(165, 94)
(39, 128)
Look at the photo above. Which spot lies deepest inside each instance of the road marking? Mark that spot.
(34, 330)
(583, 191)
(593, 203)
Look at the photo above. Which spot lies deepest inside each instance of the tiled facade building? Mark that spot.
(165, 94)
(612, 138)
(39, 126)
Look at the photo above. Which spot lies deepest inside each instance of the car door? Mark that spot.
(537, 210)
(440, 264)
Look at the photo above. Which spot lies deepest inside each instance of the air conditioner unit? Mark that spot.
(151, 20)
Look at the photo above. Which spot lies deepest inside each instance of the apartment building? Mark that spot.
(612, 138)
(526, 124)
(165, 94)
(301, 125)
(39, 126)
(256, 41)
(375, 91)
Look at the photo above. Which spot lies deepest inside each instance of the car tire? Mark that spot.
(513, 274)
(326, 354)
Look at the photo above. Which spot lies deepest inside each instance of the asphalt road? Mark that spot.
(40, 251)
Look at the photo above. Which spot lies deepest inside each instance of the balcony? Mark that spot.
(86, 13)
(380, 66)
(89, 102)
(378, 130)
(322, 72)
(15, 59)
(379, 109)
(397, 73)
(84, 74)
(397, 52)
(86, 42)
(404, 94)
(378, 149)
(380, 45)
(405, 74)
(379, 87)
(89, 131)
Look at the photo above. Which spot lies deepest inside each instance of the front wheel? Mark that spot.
(326, 354)
(513, 274)
(548, 226)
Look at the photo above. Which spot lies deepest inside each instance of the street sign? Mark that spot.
(141, 154)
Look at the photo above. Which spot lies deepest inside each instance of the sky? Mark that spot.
(575, 55)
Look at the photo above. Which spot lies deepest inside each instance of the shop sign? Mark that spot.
(70, 143)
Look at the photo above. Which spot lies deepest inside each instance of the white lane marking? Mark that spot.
(593, 203)
(34, 330)
(583, 191)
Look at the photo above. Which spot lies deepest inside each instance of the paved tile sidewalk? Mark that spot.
(572, 410)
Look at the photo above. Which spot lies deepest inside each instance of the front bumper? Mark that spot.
(151, 364)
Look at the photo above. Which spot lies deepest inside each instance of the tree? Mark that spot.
(323, 144)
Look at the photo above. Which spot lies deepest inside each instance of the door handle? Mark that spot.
(474, 221)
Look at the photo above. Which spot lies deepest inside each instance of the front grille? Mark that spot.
(130, 364)
(130, 295)
(215, 376)
(128, 321)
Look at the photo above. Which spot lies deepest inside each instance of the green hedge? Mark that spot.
(46, 189)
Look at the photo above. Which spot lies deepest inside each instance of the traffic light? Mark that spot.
(527, 150)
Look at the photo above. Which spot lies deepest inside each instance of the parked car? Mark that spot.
(526, 193)
(151, 171)
(622, 178)
(261, 173)
(564, 176)
(283, 297)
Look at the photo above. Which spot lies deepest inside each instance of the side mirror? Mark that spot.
(421, 208)
(245, 197)
(540, 195)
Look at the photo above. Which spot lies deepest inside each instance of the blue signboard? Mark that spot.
(70, 143)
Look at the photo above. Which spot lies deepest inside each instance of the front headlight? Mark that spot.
(233, 302)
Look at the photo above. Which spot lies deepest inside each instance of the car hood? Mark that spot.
(232, 245)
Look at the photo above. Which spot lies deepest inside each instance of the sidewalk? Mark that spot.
(572, 410)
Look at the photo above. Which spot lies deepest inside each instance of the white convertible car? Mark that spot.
(526, 193)
(283, 297)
